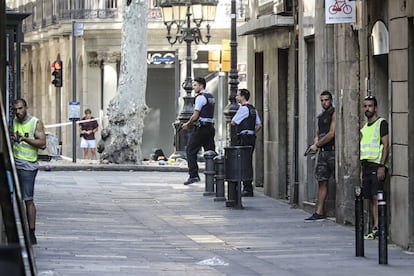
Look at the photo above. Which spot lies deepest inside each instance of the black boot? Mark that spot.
(32, 236)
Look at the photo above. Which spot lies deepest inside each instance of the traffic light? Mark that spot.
(57, 73)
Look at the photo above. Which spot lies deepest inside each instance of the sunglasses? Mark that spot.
(370, 97)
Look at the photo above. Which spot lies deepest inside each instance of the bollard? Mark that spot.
(219, 177)
(231, 194)
(382, 231)
(234, 194)
(238, 168)
(238, 196)
(359, 223)
(209, 172)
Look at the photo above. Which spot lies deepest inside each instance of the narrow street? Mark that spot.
(149, 223)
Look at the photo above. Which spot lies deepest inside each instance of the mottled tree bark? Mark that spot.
(122, 139)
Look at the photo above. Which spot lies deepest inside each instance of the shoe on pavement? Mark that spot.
(372, 235)
(192, 180)
(32, 237)
(315, 217)
(247, 194)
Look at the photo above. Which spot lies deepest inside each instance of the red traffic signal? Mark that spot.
(57, 65)
(57, 73)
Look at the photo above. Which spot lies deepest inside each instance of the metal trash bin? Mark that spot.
(238, 163)
(238, 168)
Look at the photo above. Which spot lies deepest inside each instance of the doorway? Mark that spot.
(310, 185)
(158, 123)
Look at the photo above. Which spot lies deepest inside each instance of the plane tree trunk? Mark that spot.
(122, 138)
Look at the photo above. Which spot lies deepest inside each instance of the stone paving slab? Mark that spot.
(149, 223)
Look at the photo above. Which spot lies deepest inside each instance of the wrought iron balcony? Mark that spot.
(89, 14)
(46, 13)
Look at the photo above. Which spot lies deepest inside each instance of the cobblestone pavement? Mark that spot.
(149, 223)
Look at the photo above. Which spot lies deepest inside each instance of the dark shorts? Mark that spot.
(370, 182)
(325, 165)
(27, 182)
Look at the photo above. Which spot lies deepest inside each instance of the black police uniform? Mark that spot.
(246, 137)
(202, 135)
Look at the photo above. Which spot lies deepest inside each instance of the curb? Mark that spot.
(111, 167)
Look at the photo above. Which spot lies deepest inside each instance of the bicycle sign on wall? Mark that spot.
(339, 11)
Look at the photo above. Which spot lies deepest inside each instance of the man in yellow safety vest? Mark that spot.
(374, 146)
(28, 136)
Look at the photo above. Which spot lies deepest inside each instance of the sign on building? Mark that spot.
(160, 57)
(340, 11)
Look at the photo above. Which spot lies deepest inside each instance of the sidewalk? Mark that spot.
(149, 223)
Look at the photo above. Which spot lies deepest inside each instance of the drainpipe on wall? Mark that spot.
(295, 199)
(102, 67)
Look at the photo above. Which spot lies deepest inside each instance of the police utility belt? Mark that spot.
(203, 124)
(246, 132)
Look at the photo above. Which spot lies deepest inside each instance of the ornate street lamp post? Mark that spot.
(231, 109)
(183, 19)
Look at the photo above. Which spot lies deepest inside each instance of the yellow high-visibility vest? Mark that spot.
(370, 145)
(23, 150)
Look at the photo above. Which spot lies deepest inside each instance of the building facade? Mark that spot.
(48, 37)
(297, 54)
(271, 78)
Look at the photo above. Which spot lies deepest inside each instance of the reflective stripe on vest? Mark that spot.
(23, 150)
(370, 145)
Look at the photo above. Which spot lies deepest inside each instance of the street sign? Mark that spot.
(166, 60)
(160, 58)
(339, 11)
(78, 29)
(74, 110)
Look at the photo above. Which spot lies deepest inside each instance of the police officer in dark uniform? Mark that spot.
(247, 122)
(203, 133)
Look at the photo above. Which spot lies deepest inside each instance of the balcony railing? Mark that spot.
(35, 22)
(89, 14)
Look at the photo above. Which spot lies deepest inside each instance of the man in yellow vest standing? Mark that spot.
(374, 147)
(28, 136)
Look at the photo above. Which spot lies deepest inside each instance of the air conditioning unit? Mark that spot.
(282, 7)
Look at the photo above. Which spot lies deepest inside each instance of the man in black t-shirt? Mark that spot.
(324, 144)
